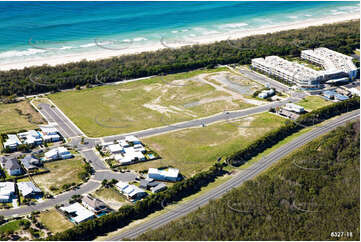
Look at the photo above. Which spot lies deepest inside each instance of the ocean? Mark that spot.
(31, 30)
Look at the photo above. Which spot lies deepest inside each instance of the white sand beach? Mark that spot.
(102, 53)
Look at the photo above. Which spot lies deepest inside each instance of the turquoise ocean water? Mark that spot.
(40, 29)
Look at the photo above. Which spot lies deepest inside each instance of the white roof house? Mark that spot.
(132, 139)
(139, 147)
(294, 108)
(123, 143)
(130, 191)
(12, 141)
(170, 174)
(6, 191)
(58, 153)
(78, 213)
(30, 137)
(49, 133)
(49, 129)
(115, 148)
(28, 189)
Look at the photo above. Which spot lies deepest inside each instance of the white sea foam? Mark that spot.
(175, 31)
(139, 39)
(308, 15)
(211, 32)
(88, 45)
(293, 17)
(335, 12)
(233, 25)
(66, 47)
(17, 53)
(127, 40)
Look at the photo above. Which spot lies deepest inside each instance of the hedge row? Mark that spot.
(273, 137)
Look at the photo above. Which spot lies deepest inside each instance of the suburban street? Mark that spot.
(237, 180)
(54, 115)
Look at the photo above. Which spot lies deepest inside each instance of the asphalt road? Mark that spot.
(237, 180)
(62, 198)
(260, 78)
(226, 115)
(53, 114)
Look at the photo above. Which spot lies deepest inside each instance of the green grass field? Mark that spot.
(313, 102)
(144, 104)
(61, 172)
(196, 149)
(18, 116)
(54, 221)
(11, 226)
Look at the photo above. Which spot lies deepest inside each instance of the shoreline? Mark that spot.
(104, 53)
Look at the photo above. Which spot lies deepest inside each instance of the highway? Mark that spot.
(237, 180)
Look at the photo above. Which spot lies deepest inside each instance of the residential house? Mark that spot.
(93, 204)
(115, 149)
(77, 213)
(31, 137)
(294, 108)
(7, 189)
(132, 139)
(49, 133)
(160, 187)
(28, 189)
(148, 183)
(30, 163)
(11, 166)
(130, 191)
(12, 142)
(170, 174)
(58, 153)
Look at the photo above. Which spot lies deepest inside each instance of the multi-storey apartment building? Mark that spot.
(288, 71)
(336, 65)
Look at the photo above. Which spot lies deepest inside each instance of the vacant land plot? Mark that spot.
(111, 197)
(313, 102)
(62, 172)
(18, 116)
(193, 150)
(144, 104)
(54, 221)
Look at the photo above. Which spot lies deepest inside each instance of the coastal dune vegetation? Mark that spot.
(342, 37)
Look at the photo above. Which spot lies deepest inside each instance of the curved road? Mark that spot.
(237, 180)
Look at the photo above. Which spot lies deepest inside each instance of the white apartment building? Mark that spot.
(335, 64)
(288, 71)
